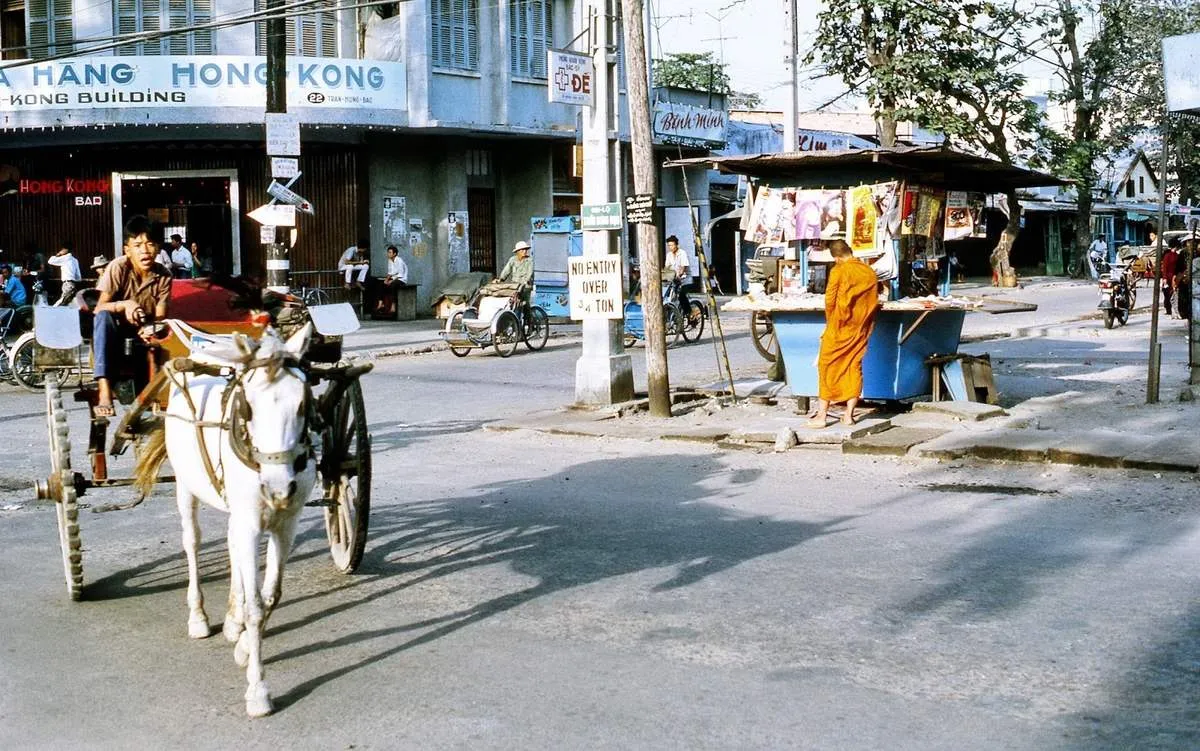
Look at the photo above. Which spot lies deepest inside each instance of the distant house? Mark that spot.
(1129, 178)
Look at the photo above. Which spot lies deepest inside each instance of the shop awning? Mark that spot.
(933, 166)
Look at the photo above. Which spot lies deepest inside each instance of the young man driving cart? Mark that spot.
(135, 291)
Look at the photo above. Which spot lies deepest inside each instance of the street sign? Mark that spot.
(603, 216)
(274, 214)
(283, 134)
(594, 283)
(266, 234)
(285, 195)
(639, 209)
(284, 167)
(571, 76)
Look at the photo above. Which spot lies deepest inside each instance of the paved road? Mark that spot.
(526, 591)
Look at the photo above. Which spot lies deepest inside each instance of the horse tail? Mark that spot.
(150, 460)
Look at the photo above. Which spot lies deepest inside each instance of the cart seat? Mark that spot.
(57, 327)
(490, 306)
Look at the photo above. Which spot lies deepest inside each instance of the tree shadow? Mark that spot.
(587, 523)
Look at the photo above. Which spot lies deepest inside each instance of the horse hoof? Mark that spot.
(198, 628)
(259, 706)
(232, 630)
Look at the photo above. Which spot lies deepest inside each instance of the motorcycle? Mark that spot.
(1117, 296)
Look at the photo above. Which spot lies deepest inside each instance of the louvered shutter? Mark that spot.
(439, 32)
(515, 21)
(38, 34)
(177, 18)
(150, 20)
(260, 30)
(472, 35)
(329, 28)
(539, 37)
(458, 34)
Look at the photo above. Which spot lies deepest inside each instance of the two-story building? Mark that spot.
(425, 124)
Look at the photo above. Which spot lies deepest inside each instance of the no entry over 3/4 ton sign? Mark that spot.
(595, 286)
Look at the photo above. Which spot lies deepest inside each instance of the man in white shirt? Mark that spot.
(677, 262)
(181, 259)
(68, 268)
(397, 274)
(355, 260)
(1097, 253)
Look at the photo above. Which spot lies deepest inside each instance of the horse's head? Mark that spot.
(272, 407)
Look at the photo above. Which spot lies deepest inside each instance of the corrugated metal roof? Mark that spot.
(934, 166)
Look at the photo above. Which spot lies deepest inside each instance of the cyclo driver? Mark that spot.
(519, 270)
(134, 292)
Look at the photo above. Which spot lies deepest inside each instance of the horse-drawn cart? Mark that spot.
(209, 318)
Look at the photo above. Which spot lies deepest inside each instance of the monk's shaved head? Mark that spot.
(839, 249)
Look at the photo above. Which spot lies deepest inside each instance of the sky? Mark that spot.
(749, 36)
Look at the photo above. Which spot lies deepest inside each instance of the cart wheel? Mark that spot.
(346, 473)
(672, 323)
(537, 329)
(62, 491)
(26, 373)
(762, 334)
(456, 324)
(693, 325)
(507, 333)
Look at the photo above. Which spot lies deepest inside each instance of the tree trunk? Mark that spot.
(1002, 271)
(885, 120)
(1083, 232)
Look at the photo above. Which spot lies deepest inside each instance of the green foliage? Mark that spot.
(692, 70)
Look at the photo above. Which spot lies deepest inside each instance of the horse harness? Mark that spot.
(236, 414)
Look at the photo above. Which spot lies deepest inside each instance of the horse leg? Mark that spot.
(243, 539)
(197, 618)
(279, 546)
(235, 614)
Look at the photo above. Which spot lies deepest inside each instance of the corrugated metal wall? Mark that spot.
(333, 179)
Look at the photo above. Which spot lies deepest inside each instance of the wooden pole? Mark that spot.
(1152, 367)
(644, 183)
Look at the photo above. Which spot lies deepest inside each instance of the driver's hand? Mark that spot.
(134, 313)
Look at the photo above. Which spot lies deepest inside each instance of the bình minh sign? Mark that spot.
(685, 125)
(131, 82)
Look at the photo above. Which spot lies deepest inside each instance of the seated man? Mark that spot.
(397, 273)
(355, 260)
(12, 293)
(134, 291)
(519, 269)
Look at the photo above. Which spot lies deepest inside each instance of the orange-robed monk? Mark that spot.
(851, 302)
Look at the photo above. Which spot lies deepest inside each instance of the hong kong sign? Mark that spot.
(198, 81)
(571, 76)
(688, 126)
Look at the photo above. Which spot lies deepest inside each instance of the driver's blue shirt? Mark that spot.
(15, 290)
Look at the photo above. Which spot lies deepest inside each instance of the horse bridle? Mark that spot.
(240, 414)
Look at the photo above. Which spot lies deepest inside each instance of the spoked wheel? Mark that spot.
(672, 323)
(507, 333)
(693, 322)
(456, 324)
(346, 473)
(762, 334)
(25, 371)
(537, 329)
(61, 489)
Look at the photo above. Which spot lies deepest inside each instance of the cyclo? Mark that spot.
(677, 322)
(207, 312)
(496, 318)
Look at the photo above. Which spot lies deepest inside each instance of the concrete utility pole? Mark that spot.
(644, 183)
(604, 372)
(792, 65)
(277, 253)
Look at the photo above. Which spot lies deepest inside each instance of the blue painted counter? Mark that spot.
(891, 370)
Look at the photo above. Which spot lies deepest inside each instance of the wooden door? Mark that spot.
(481, 212)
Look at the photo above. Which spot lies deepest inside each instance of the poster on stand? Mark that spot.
(976, 205)
(808, 214)
(908, 210)
(865, 219)
(773, 219)
(958, 218)
(929, 212)
(833, 214)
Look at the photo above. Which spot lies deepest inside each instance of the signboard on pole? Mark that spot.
(286, 195)
(595, 287)
(639, 209)
(284, 168)
(283, 134)
(603, 216)
(274, 214)
(266, 234)
(571, 76)
(685, 125)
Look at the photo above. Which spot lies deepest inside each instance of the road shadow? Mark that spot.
(590, 522)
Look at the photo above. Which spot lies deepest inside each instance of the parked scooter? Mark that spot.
(1117, 296)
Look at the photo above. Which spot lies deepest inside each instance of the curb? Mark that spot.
(438, 346)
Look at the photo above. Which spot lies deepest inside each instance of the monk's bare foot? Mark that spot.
(818, 422)
(848, 419)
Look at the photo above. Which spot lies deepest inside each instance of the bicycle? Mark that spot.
(16, 361)
(690, 323)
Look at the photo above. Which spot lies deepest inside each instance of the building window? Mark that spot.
(455, 34)
(149, 16)
(310, 34)
(530, 32)
(1141, 184)
(51, 30)
(1129, 188)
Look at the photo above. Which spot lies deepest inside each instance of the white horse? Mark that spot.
(241, 445)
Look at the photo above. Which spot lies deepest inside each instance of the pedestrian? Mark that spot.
(1170, 262)
(181, 259)
(851, 302)
(397, 274)
(68, 268)
(1097, 255)
(1183, 281)
(354, 261)
(162, 256)
(201, 263)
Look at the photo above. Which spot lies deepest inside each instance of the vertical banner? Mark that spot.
(395, 221)
(459, 261)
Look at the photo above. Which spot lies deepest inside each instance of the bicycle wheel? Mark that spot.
(672, 323)
(537, 328)
(455, 325)
(693, 324)
(26, 373)
(315, 296)
(506, 333)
